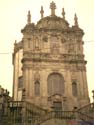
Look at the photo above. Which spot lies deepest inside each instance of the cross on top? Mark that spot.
(52, 7)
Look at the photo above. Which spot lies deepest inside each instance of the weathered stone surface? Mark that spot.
(48, 48)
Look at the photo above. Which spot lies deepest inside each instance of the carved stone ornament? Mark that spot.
(45, 39)
(73, 75)
(63, 40)
(36, 76)
(73, 68)
(55, 97)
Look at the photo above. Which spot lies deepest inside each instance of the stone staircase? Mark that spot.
(88, 109)
(66, 117)
(26, 113)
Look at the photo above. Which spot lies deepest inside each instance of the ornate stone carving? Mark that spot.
(18, 46)
(55, 97)
(45, 39)
(37, 76)
(73, 68)
(63, 40)
(81, 68)
(54, 45)
(71, 48)
(73, 75)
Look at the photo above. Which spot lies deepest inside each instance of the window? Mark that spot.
(37, 88)
(57, 106)
(55, 84)
(74, 89)
(20, 82)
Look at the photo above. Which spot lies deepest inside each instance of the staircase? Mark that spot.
(13, 115)
(88, 109)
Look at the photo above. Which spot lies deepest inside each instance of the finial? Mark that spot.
(52, 7)
(42, 12)
(76, 20)
(29, 17)
(63, 13)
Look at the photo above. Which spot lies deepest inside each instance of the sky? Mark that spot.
(13, 18)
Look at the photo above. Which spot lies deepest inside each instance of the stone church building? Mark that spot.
(49, 71)
(49, 63)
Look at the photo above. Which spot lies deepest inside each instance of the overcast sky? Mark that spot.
(13, 17)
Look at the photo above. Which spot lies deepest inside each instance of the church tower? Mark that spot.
(49, 63)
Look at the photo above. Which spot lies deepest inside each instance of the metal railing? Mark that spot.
(88, 110)
(36, 114)
(33, 108)
(57, 115)
(15, 104)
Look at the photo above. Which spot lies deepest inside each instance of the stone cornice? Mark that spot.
(54, 60)
(68, 30)
(66, 66)
(62, 58)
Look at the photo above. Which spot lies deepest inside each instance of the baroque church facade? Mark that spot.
(49, 77)
(49, 63)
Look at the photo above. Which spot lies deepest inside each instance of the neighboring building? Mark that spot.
(4, 99)
(49, 63)
(4, 95)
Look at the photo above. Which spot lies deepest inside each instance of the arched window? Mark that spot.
(55, 84)
(74, 88)
(37, 88)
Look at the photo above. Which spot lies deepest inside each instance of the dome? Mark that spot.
(52, 22)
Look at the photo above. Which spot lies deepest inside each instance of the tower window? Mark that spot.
(37, 88)
(74, 89)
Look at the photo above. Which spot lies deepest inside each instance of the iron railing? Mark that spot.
(88, 110)
(35, 114)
